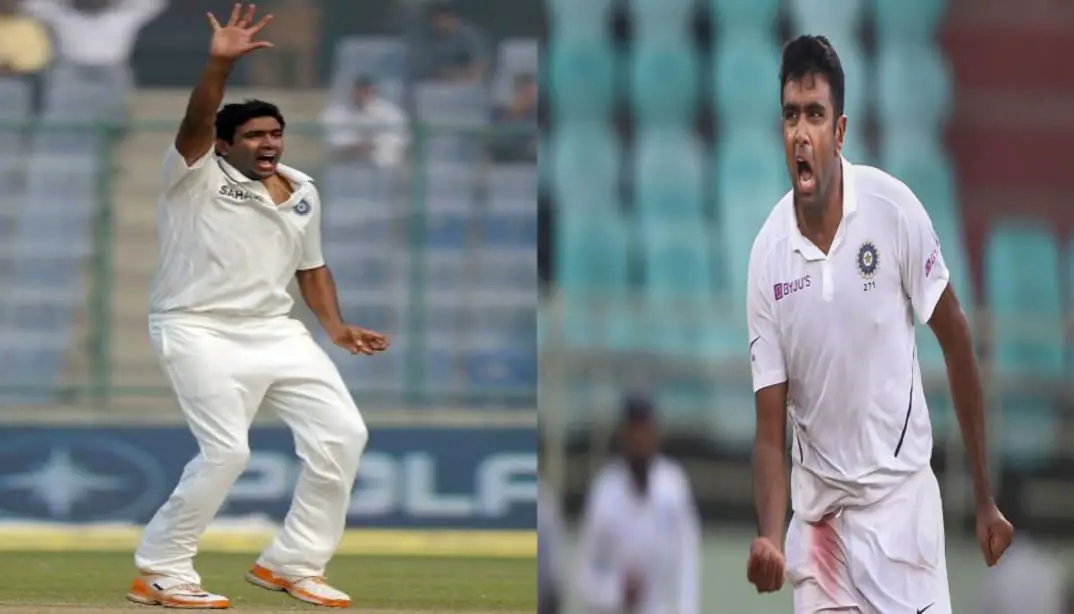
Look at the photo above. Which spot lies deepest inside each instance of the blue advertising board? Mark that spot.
(415, 478)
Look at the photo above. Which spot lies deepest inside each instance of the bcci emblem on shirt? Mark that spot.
(303, 207)
(868, 260)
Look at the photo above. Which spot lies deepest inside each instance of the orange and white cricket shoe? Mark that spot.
(157, 590)
(311, 589)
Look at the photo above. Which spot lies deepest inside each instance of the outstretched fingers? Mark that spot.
(257, 27)
(213, 22)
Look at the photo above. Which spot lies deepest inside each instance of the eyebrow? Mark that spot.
(808, 106)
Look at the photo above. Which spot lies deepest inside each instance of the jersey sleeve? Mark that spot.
(601, 581)
(312, 256)
(766, 351)
(924, 273)
(177, 174)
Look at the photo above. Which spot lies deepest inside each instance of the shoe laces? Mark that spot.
(187, 589)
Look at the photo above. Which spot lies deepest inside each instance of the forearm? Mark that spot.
(965, 380)
(208, 94)
(318, 290)
(770, 490)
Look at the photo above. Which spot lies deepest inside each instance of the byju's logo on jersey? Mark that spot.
(788, 288)
(868, 260)
(303, 207)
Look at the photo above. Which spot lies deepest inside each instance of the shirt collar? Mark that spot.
(850, 205)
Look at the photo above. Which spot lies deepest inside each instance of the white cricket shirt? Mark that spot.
(656, 537)
(839, 329)
(225, 248)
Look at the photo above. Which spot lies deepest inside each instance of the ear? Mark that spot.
(840, 134)
(223, 148)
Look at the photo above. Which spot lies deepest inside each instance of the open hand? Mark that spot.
(766, 566)
(994, 532)
(236, 39)
(359, 340)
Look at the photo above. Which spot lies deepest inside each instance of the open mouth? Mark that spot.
(806, 180)
(265, 162)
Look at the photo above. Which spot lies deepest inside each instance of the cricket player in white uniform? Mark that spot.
(837, 274)
(235, 225)
(640, 532)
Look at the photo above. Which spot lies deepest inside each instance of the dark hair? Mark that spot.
(365, 81)
(813, 55)
(231, 116)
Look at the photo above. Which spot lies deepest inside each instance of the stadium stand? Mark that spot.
(658, 197)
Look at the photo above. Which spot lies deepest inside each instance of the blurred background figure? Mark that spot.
(25, 46)
(661, 157)
(518, 143)
(453, 49)
(294, 61)
(368, 130)
(640, 533)
(549, 537)
(95, 41)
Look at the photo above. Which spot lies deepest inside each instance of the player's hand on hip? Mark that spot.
(766, 567)
(236, 38)
(994, 532)
(358, 340)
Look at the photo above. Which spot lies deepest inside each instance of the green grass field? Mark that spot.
(96, 582)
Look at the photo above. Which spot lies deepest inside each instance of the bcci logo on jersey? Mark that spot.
(868, 260)
(303, 207)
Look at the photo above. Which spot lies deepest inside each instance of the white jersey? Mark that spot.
(839, 329)
(655, 537)
(225, 248)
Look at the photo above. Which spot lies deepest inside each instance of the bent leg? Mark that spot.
(330, 437)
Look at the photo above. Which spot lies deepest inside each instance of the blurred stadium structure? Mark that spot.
(663, 156)
(437, 251)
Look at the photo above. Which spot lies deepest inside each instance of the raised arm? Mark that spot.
(229, 43)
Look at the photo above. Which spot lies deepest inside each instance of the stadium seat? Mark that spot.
(572, 20)
(837, 19)
(508, 272)
(746, 80)
(591, 254)
(360, 206)
(585, 161)
(504, 369)
(509, 184)
(454, 112)
(750, 177)
(381, 57)
(664, 82)
(908, 21)
(582, 79)
(669, 176)
(514, 57)
(510, 229)
(1026, 330)
(736, 16)
(662, 19)
(14, 108)
(913, 81)
(675, 260)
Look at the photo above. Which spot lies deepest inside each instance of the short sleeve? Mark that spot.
(924, 272)
(178, 173)
(312, 256)
(766, 351)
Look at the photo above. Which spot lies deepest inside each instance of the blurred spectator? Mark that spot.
(549, 539)
(640, 532)
(25, 46)
(453, 49)
(518, 119)
(96, 33)
(295, 34)
(368, 128)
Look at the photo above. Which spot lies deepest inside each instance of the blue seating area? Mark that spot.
(666, 212)
(440, 255)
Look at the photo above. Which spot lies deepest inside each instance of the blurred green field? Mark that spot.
(726, 591)
(96, 582)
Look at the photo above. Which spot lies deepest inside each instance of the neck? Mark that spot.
(820, 220)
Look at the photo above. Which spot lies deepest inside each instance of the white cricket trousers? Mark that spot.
(886, 558)
(222, 370)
